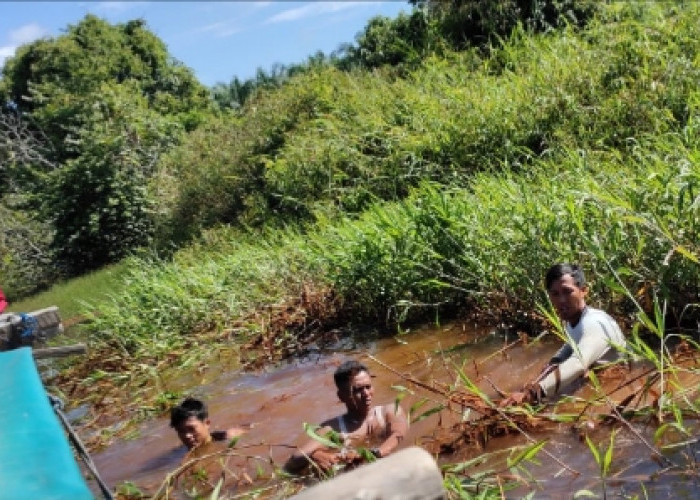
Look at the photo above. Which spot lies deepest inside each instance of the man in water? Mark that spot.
(362, 424)
(190, 419)
(593, 335)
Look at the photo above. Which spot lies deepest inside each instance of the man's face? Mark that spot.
(193, 432)
(358, 396)
(568, 299)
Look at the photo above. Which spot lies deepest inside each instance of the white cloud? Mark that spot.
(23, 34)
(27, 33)
(310, 10)
(220, 29)
(6, 52)
(210, 27)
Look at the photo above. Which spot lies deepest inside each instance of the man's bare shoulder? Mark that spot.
(392, 409)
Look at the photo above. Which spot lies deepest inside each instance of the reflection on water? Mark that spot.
(276, 403)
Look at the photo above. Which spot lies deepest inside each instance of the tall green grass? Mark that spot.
(347, 140)
(208, 286)
(488, 243)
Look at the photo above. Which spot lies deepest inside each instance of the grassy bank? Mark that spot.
(632, 223)
(490, 242)
(72, 297)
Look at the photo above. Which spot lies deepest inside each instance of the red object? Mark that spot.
(3, 301)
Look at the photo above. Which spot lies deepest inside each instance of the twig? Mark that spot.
(162, 490)
(500, 351)
(495, 388)
(636, 433)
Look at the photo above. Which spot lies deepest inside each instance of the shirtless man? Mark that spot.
(190, 419)
(593, 335)
(362, 424)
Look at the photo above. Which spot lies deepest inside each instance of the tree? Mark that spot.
(403, 40)
(455, 24)
(468, 23)
(106, 100)
(26, 258)
(99, 201)
(234, 94)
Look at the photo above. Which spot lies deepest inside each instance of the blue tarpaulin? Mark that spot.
(36, 460)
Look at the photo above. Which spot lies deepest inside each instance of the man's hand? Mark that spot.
(325, 459)
(531, 393)
(516, 398)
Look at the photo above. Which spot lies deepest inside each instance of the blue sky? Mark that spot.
(218, 40)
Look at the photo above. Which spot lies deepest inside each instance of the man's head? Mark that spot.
(354, 386)
(567, 289)
(190, 420)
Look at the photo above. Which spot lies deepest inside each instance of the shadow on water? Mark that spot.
(276, 402)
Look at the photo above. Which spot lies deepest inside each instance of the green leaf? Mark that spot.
(331, 440)
(415, 406)
(594, 450)
(397, 401)
(527, 454)
(471, 386)
(660, 432)
(217, 491)
(366, 454)
(687, 254)
(457, 468)
(607, 460)
(428, 413)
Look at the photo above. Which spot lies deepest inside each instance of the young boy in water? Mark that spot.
(190, 419)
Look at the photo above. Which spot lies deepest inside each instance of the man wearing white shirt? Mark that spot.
(593, 336)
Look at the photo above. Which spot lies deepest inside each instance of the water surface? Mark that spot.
(276, 402)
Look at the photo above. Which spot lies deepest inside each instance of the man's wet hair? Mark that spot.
(346, 371)
(190, 407)
(558, 270)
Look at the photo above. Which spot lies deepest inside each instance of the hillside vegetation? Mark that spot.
(444, 183)
(560, 146)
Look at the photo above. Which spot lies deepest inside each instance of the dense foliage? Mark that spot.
(562, 146)
(93, 108)
(330, 140)
(432, 27)
(454, 179)
(339, 196)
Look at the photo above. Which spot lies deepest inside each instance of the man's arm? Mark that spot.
(593, 345)
(397, 427)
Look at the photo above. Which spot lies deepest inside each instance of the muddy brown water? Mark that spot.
(276, 402)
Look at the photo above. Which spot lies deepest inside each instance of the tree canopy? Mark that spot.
(97, 105)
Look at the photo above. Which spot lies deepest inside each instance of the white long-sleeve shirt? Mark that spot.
(597, 337)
